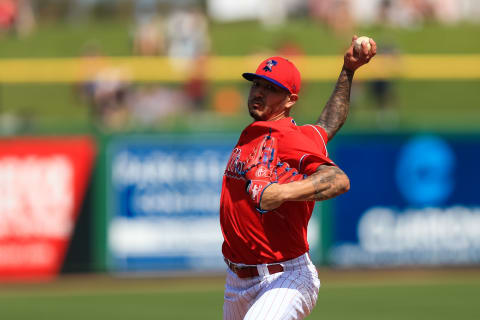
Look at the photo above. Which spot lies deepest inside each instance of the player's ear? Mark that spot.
(292, 98)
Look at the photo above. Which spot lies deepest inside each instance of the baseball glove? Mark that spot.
(263, 169)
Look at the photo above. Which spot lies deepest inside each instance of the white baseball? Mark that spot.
(358, 43)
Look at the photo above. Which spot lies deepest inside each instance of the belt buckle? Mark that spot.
(234, 268)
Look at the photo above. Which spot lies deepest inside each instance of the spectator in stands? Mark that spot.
(148, 39)
(149, 33)
(382, 89)
(106, 89)
(196, 86)
(25, 22)
(8, 14)
(334, 13)
(187, 36)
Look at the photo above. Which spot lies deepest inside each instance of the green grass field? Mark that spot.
(436, 294)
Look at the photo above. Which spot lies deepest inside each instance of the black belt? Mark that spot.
(252, 271)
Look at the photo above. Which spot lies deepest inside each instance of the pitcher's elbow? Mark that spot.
(345, 184)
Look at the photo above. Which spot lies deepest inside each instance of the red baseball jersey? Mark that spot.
(281, 234)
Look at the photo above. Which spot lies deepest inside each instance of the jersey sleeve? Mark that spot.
(317, 133)
(305, 149)
(311, 162)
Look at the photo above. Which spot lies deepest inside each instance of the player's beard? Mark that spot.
(255, 106)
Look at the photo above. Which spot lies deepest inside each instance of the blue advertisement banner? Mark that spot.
(413, 201)
(163, 201)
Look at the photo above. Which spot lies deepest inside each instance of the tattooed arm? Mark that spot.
(335, 111)
(327, 182)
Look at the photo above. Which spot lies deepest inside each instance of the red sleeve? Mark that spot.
(318, 134)
(305, 149)
(311, 162)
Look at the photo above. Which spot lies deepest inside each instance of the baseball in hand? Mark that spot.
(358, 43)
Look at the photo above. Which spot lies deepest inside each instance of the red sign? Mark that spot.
(42, 184)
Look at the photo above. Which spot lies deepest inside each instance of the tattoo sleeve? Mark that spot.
(335, 111)
(328, 182)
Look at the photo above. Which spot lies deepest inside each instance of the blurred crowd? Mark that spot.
(345, 14)
(178, 30)
(179, 34)
(342, 15)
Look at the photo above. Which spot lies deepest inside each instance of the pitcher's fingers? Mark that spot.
(373, 50)
(365, 50)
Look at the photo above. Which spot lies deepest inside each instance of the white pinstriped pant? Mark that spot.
(286, 295)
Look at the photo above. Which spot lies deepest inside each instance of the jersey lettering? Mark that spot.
(235, 166)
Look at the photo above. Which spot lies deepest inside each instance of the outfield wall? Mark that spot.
(411, 202)
(153, 203)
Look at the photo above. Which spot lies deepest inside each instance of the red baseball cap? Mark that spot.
(279, 71)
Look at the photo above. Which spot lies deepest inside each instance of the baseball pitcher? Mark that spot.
(275, 174)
